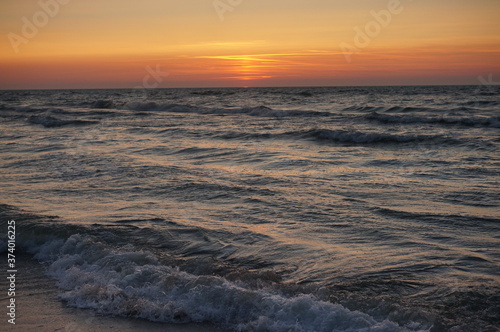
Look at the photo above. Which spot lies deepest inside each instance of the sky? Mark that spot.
(51, 44)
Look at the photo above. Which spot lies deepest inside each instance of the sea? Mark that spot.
(261, 209)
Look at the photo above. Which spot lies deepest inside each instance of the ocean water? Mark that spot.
(262, 209)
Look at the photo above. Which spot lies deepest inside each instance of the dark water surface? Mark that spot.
(263, 209)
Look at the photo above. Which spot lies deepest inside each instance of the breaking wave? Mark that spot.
(262, 111)
(493, 121)
(134, 283)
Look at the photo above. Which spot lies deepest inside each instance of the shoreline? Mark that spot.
(38, 309)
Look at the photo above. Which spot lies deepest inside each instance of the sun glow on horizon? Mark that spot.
(94, 44)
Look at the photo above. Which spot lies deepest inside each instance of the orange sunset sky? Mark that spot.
(223, 43)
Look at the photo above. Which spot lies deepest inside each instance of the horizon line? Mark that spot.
(261, 87)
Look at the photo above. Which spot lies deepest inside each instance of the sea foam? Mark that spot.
(134, 283)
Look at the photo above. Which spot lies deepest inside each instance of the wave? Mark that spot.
(305, 93)
(266, 111)
(103, 104)
(51, 122)
(43, 111)
(30, 109)
(392, 109)
(478, 103)
(336, 136)
(213, 93)
(135, 283)
(262, 111)
(472, 222)
(493, 121)
(136, 272)
(356, 137)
